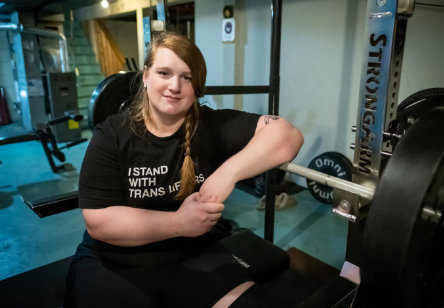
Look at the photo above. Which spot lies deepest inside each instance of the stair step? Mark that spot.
(83, 50)
(93, 79)
(89, 69)
(78, 41)
(85, 59)
(85, 90)
(77, 28)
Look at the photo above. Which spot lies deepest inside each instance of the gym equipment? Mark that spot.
(329, 180)
(4, 114)
(246, 246)
(414, 106)
(134, 64)
(48, 281)
(60, 98)
(386, 25)
(404, 232)
(331, 163)
(112, 95)
(43, 132)
(27, 71)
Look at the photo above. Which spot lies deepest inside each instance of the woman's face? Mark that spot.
(169, 87)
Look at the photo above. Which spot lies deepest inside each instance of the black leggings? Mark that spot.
(199, 281)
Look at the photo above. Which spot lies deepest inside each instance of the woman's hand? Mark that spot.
(218, 186)
(195, 217)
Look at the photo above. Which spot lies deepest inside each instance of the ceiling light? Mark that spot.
(104, 3)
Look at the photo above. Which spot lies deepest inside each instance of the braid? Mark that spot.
(187, 173)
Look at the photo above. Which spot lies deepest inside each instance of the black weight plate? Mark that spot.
(111, 95)
(402, 248)
(415, 105)
(331, 163)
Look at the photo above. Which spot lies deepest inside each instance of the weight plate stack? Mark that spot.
(331, 163)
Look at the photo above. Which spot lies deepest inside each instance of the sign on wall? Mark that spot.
(228, 30)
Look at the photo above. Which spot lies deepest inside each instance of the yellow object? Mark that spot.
(73, 124)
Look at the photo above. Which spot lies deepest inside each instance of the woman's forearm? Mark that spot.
(127, 226)
(273, 144)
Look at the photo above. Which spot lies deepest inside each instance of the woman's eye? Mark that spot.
(163, 73)
(187, 78)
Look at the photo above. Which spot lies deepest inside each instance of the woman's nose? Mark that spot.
(174, 84)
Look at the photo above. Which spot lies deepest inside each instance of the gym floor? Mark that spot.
(28, 242)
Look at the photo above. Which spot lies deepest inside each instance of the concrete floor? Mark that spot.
(27, 241)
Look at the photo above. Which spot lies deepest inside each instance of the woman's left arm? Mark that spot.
(275, 142)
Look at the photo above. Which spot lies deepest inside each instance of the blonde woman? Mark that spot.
(152, 186)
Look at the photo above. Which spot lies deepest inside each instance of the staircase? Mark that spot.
(82, 60)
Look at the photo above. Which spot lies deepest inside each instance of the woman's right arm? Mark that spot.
(127, 226)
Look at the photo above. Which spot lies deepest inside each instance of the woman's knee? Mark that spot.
(233, 295)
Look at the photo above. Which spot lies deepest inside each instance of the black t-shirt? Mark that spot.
(121, 168)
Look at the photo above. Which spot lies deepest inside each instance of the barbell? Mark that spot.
(329, 180)
(409, 110)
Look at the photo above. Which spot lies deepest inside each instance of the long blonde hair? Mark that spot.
(189, 53)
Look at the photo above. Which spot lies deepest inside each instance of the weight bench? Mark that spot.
(40, 197)
(43, 133)
(302, 285)
(110, 96)
(51, 197)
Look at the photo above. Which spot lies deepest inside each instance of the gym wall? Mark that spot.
(321, 61)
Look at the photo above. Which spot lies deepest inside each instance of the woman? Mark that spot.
(152, 186)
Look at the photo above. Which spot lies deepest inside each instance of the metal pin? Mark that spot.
(383, 153)
(386, 134)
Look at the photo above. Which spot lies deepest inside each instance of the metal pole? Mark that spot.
(273, 108)
(331, 181)
(275, 55)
